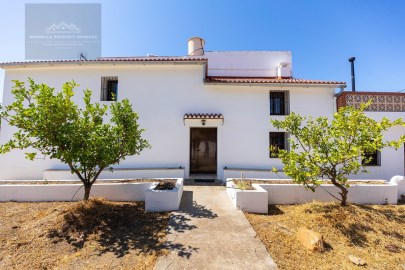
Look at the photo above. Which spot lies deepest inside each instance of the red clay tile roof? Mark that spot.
(203, 115)
(173, 59)
(109, 60)
(268, 80)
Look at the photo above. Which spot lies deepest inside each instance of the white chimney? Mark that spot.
(281, 70)
(196, 46)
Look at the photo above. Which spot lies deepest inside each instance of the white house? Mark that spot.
(207, 113)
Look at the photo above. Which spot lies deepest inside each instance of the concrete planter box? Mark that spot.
(66, 192)
(254, 201)
(164, 200)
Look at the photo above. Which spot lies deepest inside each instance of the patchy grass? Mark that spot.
(80, 235)
(374, 233)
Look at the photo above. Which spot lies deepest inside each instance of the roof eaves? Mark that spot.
(279, 84)
(105, 62)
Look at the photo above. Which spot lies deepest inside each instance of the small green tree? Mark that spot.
(321, 149)
(50, 123)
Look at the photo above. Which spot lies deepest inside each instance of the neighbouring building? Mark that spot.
(207, 113)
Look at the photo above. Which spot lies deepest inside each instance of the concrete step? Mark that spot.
(203, 182)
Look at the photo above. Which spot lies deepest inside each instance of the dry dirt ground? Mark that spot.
(373, 233)
(77, 235)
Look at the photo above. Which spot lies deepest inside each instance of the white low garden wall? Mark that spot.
(66, 192)
(252, 200)
(400, 181)
(252, 173)
(164, 200)
(358, 194)
(120, 173)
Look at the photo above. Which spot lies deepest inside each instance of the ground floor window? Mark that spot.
(109, 88)
(279, 103)
(372, 159)
(278, 140)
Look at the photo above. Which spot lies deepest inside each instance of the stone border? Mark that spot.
(252, 201)
(164, 200)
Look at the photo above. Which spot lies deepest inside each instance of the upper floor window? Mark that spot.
(279, 103)
(278, 141)
(109, 88)
(372, 159)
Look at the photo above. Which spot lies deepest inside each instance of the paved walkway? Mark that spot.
(208, 233)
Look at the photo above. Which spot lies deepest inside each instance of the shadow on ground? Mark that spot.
(355, 232)
(348, 220)
(181, 221)
(389, 214)
(274, 210)
(190, 207)
(119, 228)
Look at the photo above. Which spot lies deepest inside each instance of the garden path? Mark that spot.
(208, 233)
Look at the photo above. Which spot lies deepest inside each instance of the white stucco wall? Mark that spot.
(162, 94)
(249, 63)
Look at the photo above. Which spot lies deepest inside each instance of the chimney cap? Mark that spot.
(196, 46)
(196, 38)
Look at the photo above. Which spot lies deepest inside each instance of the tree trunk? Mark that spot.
(343, 193)
(87, 188)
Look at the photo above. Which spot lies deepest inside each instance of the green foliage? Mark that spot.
(50, 123)
(323, 149)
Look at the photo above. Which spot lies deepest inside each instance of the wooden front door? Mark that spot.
(203, 150)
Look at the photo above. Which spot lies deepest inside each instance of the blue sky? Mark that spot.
(322, 35)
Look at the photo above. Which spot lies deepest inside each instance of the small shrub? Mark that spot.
(243, 185)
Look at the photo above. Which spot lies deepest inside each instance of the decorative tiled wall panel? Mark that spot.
(380, 103)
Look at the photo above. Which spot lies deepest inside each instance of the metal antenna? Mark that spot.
(82, 56)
